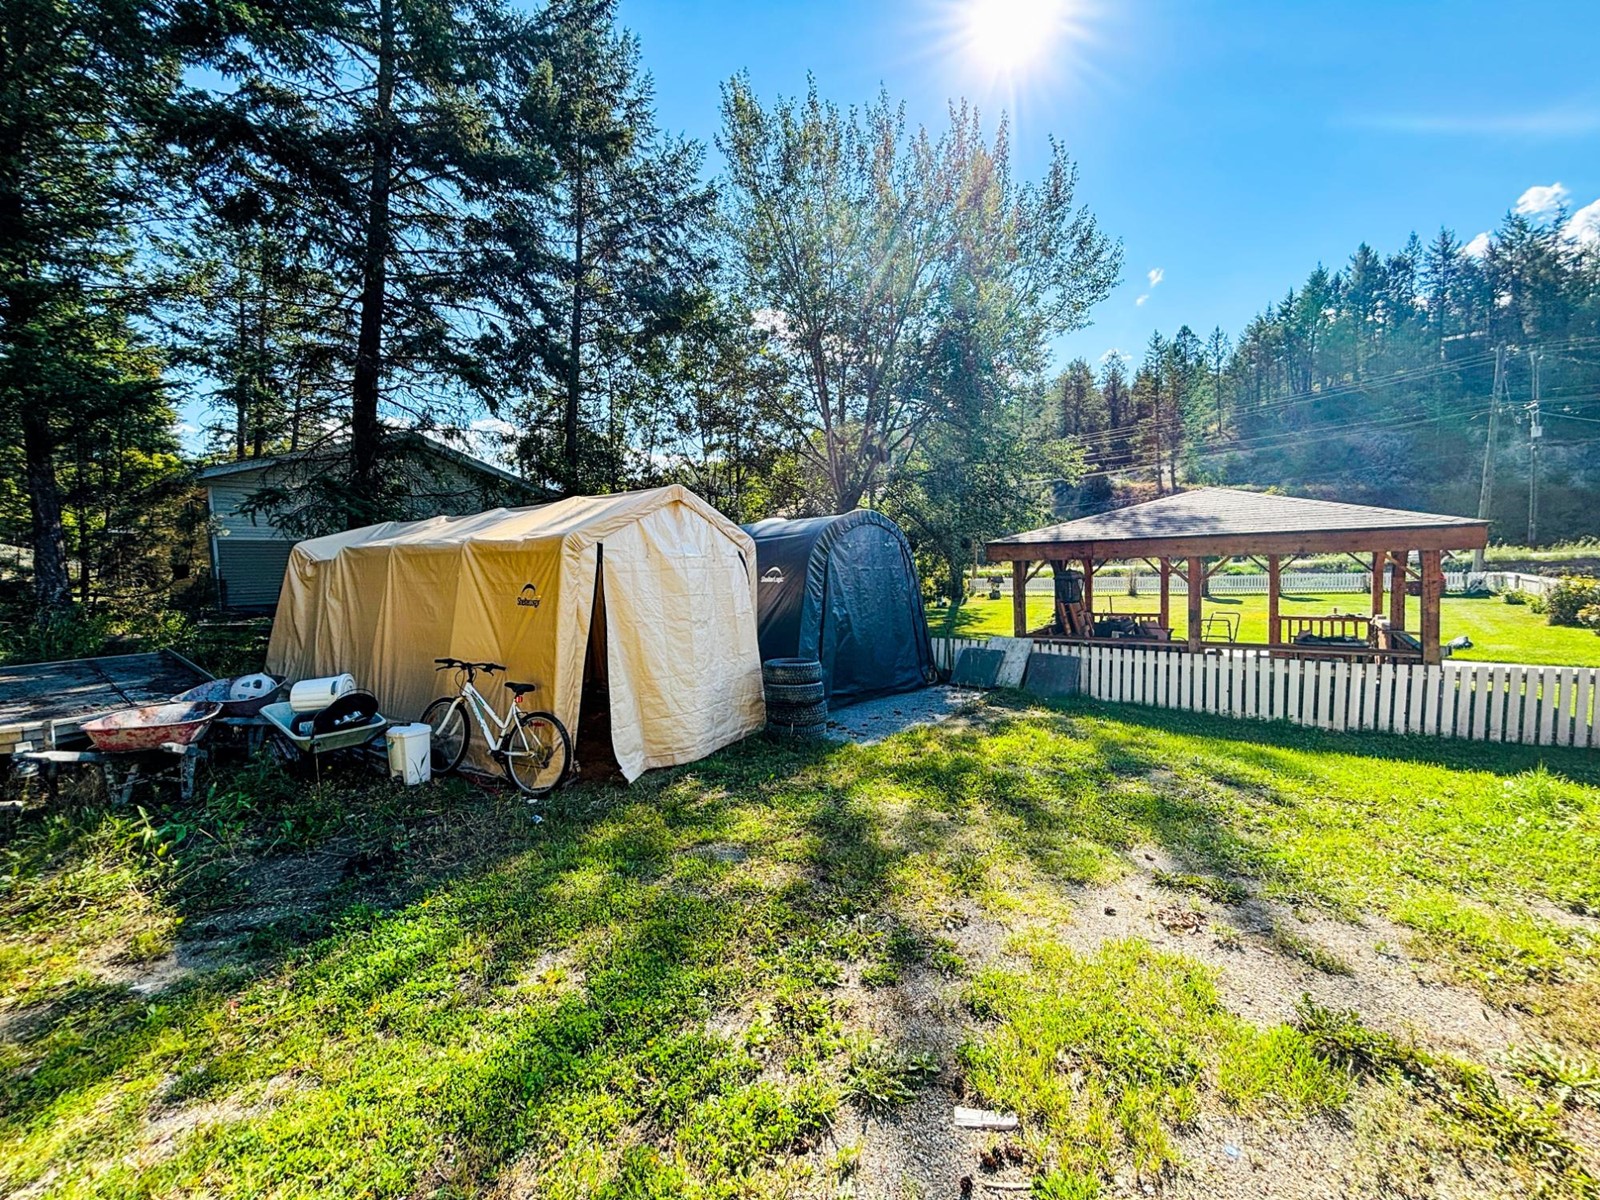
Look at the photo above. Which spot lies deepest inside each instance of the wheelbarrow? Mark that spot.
(130, 743)
(350, 723)
(241, 696)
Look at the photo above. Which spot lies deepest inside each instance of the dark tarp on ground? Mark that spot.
(843, 590)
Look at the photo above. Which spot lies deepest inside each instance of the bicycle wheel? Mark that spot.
(536, 753)
(447, 717)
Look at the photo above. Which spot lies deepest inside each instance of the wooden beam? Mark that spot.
(1197, 575)
(1019, 598)
(1397, 589)
(1471, 537)
(1274, 587)
(1165, 570)
(1378, 559)
(1088, 591)
(1432, 593)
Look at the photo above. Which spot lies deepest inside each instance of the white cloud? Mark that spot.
(1112, 353)
(1584, 225)
(1139, 303)
(1477, 247)
(1155, 275)
(493, 425)
(1539, 199)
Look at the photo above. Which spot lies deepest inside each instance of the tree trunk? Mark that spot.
(51, 587)
(569, 423)
(956, 583)
(365, 432)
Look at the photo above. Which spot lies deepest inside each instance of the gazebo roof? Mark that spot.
(1227, 521)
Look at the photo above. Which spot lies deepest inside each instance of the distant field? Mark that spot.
(1500, 632)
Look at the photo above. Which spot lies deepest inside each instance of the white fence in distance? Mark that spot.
(1480, 701)
(1292, 583)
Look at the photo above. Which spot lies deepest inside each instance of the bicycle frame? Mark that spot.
(485, 714)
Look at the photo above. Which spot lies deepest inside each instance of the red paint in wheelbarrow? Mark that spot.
(150, 727)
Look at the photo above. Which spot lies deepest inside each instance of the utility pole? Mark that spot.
(1535, 437)
(1486, 487)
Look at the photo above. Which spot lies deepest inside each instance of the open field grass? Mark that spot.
(1500, 632)
(1214, 956)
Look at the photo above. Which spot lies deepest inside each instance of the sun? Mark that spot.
(1009, 38)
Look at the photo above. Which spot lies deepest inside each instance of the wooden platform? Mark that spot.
(45, 703)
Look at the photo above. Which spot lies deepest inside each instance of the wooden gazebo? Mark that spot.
(1178, 534)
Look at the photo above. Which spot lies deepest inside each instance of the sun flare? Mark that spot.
(1010, 37)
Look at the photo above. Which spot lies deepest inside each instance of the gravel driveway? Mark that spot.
(873, 720)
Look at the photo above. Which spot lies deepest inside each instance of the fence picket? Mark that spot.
(1491, 692)
(1582, 726)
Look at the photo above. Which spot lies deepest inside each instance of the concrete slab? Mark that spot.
(1051, 675)
(1015, 663)
(976, 668)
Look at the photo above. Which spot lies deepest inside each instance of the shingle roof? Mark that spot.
(1231, 515)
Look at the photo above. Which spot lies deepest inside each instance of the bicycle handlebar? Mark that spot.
(489, 667)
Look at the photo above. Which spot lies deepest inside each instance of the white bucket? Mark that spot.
(409, 753)
(314, 695)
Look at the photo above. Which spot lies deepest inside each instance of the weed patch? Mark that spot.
(1110, 1054)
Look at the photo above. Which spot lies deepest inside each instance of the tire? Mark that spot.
(447, 717)
(536, 772)
(794, 695)
(795, 733)
(791, 670)
(798, 714)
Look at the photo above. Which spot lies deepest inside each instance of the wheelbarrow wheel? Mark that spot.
(447, 717)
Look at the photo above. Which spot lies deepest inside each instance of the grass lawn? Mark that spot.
(1214, 957)
(1500, 632)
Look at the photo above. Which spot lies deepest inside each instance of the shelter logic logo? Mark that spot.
(529, 596)
(772, 575)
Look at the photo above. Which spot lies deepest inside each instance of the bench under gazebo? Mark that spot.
(1192, 535)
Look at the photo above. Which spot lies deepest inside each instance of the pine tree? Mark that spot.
(608, 259)
(81, 86)
(373, 124)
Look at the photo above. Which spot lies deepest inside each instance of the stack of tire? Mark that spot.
(797, 703)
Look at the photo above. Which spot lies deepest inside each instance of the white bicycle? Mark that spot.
(532, 748)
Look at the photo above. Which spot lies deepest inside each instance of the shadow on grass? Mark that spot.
(431, 1028)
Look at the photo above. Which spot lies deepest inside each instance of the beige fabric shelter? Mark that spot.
(518, 586)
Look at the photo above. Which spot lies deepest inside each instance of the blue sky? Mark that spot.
(1231, 146)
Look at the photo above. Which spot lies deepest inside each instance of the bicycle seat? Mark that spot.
(521, 689)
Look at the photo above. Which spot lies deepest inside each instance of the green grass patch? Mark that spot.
(424, 992)
(1500, 632)
(1106, 1055)
(1525, 1133)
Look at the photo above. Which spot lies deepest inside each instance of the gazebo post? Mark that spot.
(1274, 586)
(1378, 557)
(1397, 589)
(1166, 592)
(1432, 593)
(1196, 583)
(1088, 592)
(1019, 598)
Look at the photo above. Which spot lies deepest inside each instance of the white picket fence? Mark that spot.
(1496, 702)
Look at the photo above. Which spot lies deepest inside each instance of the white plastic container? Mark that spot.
(314, 695)
(410, 761)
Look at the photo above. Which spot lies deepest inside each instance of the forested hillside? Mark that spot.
(1376, 382)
